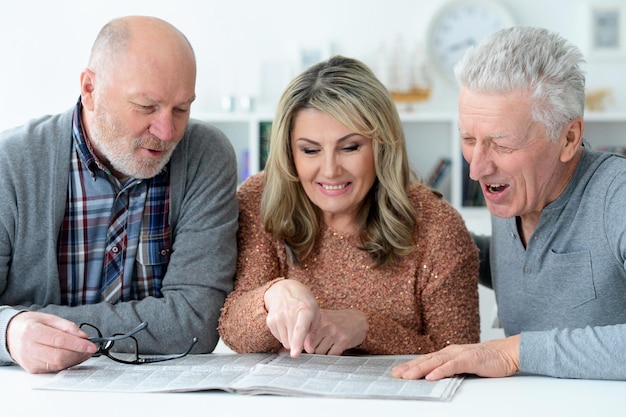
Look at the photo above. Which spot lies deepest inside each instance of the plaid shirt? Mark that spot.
(92, 189)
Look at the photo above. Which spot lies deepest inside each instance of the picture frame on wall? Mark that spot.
(606, 30)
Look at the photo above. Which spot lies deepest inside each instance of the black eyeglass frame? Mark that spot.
(106, 343)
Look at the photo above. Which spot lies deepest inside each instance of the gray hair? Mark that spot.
(534, 60)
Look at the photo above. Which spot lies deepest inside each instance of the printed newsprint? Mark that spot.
(258, 374)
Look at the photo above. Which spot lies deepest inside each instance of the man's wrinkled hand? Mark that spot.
(494, 358)
(40, 342)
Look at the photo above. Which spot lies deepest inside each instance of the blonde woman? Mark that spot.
(339, 249)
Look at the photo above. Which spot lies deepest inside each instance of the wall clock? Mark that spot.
(459, 24)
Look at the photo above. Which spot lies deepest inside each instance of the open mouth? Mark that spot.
(157, 150)
(495, 188)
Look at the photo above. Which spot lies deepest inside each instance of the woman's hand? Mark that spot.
(339, 330)
(292, 314)
(295, 319)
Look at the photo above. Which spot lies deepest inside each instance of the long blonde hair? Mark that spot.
(347, 90)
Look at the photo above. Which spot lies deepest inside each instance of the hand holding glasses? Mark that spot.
(105, 344)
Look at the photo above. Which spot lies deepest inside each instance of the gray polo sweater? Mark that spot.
(566, 292)
(34, 169)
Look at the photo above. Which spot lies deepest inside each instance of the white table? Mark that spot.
(528, 396)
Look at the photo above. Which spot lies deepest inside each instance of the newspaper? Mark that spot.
(257, 374)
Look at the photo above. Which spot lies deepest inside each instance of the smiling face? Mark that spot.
(519, 169)
(335, 166)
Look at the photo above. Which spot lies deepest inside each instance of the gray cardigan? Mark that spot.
(566, 291)
(34, 170)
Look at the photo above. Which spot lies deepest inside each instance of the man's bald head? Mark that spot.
(136, 94)
(137, 35)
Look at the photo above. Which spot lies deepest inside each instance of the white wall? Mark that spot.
(244, 47)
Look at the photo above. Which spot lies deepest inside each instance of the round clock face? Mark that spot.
(459, 25)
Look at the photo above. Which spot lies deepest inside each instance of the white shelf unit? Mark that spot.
(243, 131)
(605, 129)
(429, 137)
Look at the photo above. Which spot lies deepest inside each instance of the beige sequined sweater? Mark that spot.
(427, 301)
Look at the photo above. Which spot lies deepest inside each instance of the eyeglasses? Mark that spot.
(131, 348)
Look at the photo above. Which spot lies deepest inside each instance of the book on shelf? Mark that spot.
(257, 374)
(439, 173)
(472, 192)
(264, 143)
